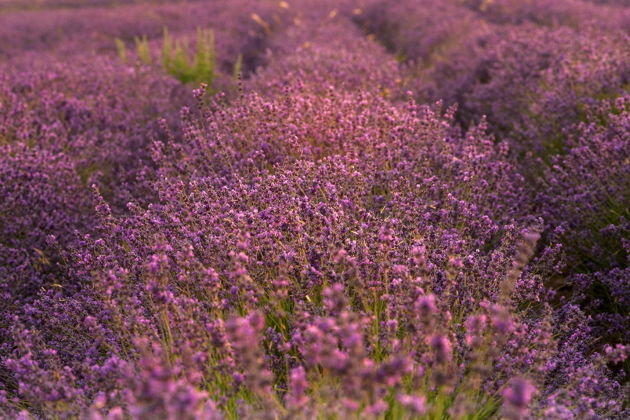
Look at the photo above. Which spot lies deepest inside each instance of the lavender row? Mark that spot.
(557, 95)
(315, 244)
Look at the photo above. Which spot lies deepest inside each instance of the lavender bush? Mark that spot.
(427, 221)
(585, 201)
(531, 81)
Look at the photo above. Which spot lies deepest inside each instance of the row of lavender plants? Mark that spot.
(411, 209)
(557, 92)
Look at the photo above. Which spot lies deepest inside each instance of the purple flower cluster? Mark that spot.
(532, 80)
(411, 209)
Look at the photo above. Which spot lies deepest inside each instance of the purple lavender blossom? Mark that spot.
(387, 210)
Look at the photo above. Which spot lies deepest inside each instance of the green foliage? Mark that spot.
(142, 49)
(179, 61)
(237, 66)
(178, 58)
(121, 50)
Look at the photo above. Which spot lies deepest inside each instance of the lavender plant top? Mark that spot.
(412, 209)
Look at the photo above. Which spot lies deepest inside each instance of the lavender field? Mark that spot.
(315, 209)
